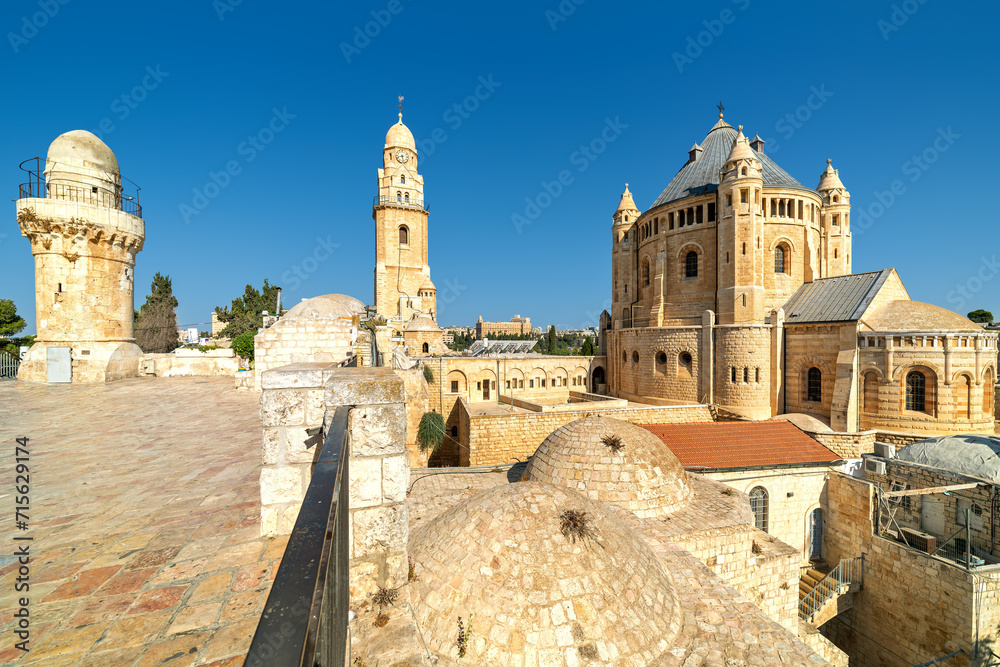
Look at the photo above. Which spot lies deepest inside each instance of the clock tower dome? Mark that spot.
(403, 286)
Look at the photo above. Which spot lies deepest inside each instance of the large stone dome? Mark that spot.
(643, 476)
(400, 135)
(501, 559)
(326, 307)
(903, 315)
(80, 146)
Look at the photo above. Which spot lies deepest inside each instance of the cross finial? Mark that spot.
(721, 108)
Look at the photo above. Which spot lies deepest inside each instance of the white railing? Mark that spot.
(8, 365)
(848, 572)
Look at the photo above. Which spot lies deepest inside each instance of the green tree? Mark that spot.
(156, 324)
(430, 432)
(551, 344)
(246, 314)
(10, 322)
(981, 316)
(243, 346)
(587, 349)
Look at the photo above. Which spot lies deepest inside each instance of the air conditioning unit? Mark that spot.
(873, 466)
(885, 451)
(919, 540)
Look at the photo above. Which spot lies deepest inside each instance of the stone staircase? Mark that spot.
(825, 592)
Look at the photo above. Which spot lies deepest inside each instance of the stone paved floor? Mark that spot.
(145, 519)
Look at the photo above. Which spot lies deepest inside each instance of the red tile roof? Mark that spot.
(721, 445)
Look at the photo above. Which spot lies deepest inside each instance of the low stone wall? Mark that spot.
(221, 362)
(847, 445)
(297, 405)
(901, 439)
(575, 398)
(493, 439)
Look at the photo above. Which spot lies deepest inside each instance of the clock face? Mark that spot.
(402, 156)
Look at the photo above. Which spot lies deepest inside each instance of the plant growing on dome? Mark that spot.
(428, 374)
(430, 432)
(574, 524)
(614, 443)
(464, 633)
(384, 597)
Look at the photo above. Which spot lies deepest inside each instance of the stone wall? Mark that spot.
(415, 387)
(792, 495)
(743, 352)
(912, 608)
(301, 341)
(847, 445)
(647, 362)
(297, 407)
(190, 363)
(508, 437)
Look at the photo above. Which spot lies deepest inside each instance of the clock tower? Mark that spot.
(403, 286)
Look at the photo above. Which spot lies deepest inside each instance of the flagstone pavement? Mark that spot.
(144, 523)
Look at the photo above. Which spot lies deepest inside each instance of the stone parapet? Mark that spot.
(297, 403)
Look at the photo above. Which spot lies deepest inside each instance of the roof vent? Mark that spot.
(694, 152)
(757, 143)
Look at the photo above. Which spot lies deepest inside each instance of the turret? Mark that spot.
(835, 222)
(740, 258)
(623, 289)
(85, 230)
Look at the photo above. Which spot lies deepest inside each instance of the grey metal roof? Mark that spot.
(702, 176)
(837, 299)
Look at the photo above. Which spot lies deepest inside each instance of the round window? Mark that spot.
(661, 357)
(686, 358)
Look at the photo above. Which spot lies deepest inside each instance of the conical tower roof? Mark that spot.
(830, 178)
(626, 203)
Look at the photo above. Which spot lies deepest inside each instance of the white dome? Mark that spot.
(326, 307)
(81, 146)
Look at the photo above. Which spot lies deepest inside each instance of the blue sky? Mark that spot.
(899, 94)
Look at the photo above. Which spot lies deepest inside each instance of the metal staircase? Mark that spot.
(821, 594)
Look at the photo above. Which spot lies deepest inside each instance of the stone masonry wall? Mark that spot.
(301, 341)
(847, 445)
(494, 439)
(297, 405)
(745, 350)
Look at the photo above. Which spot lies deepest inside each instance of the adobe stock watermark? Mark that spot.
(455, 115)
(696, 44)
(363, 35)
(450, 292)
(223, 7)
(915, 168)
(31, 24)
(963, 292)
(123, 105)
(308, 265)
(248, 149)
(581, 159)
(562, 12)
(793, 121)
(898, 17)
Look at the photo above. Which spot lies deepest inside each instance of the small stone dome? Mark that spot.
(830, 178)
(643, 476)
(595, 597)
(400, 135)
(82, 147)
(422, 323)
(905, 315)
(326, 307)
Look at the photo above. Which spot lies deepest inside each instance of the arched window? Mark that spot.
(635, 357)
(779, 260)
(963, 398)
(691, 265)
(426, 348)
(406, 198)
(454, 431)
(781, 208)
(758, 505)
(624, 356)
(814, 385)
(684, 365)
(916, 386)
(404, 235)
(744, 172)
(402, 179)
(645, 271)
(399, 196)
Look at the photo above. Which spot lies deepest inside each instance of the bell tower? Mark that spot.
(403, 286)
(623, 287)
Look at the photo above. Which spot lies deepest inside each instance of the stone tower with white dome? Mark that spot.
(85, 229)
(403, 286)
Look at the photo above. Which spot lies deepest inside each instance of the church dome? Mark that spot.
(642, 476)
(534, 587)
(830, 178)
(82, 148)
(905, 315)
(326, 307)
(700, 174)
(422, 323)
(400, 136)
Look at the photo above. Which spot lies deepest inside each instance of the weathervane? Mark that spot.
(400, 104)
(721, 108)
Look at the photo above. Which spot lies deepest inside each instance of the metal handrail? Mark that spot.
(392, 201)
(305, 619)
(38, 187)
(848, 571)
